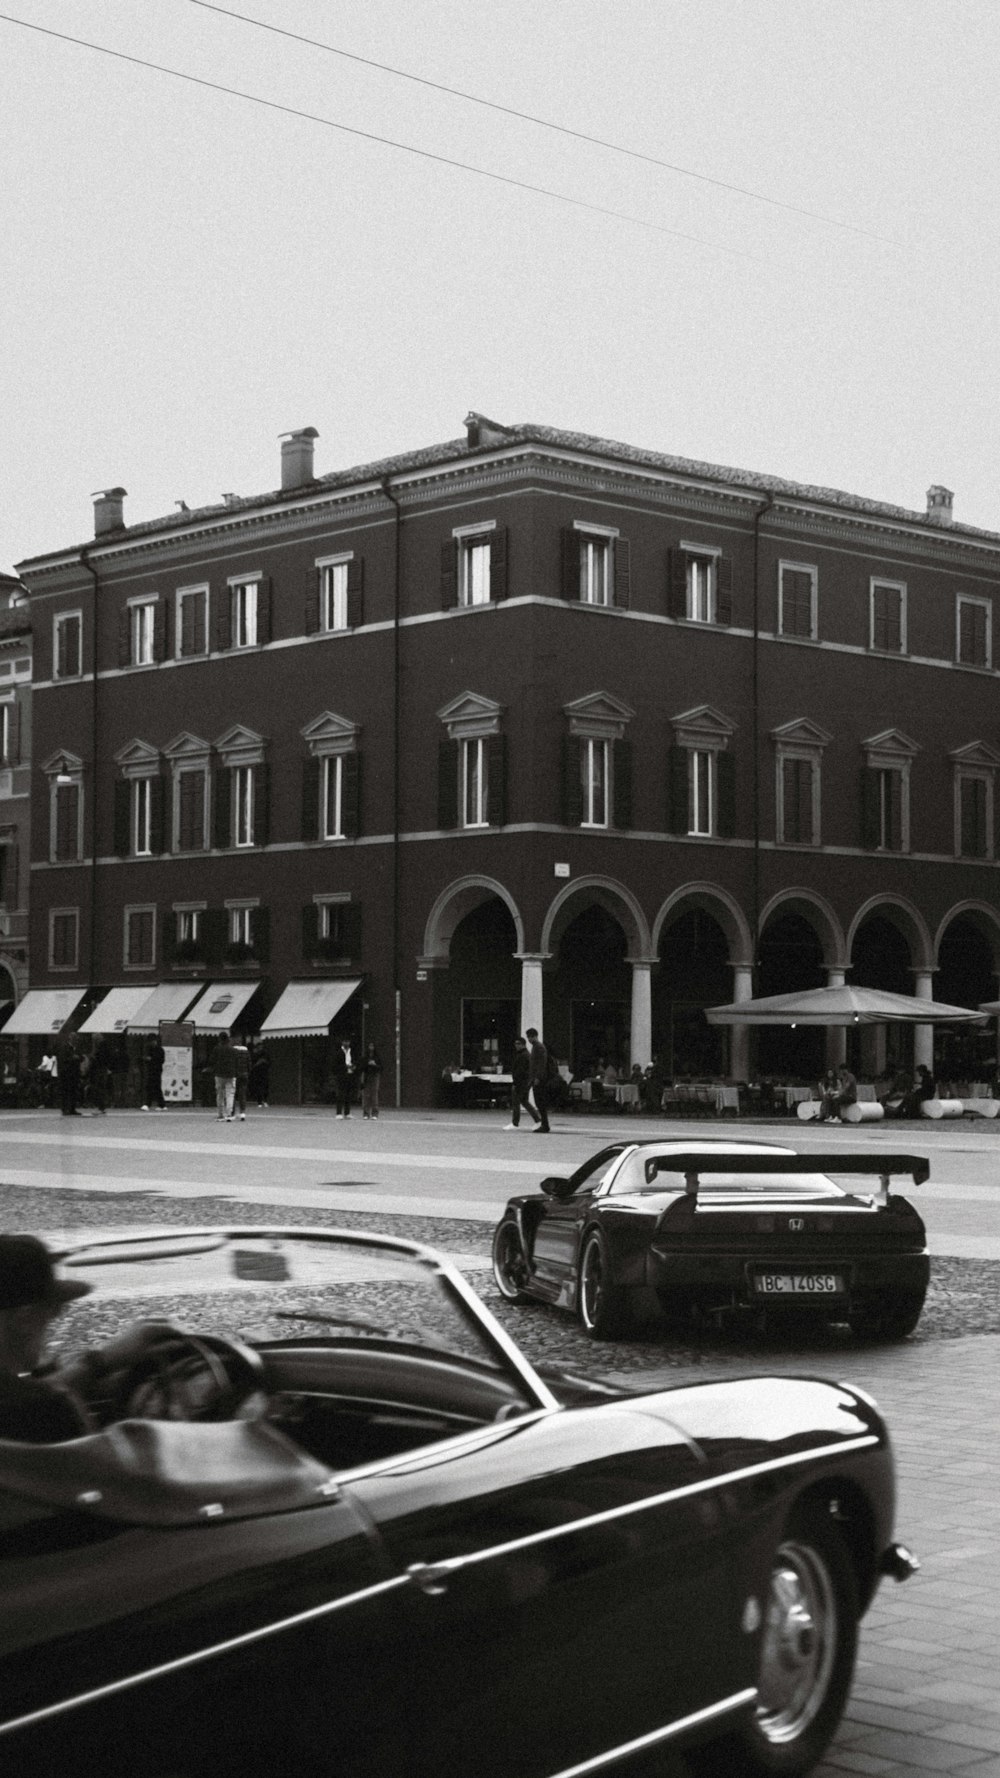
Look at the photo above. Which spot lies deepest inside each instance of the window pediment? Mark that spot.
(240, 746)
(801, 733)
(599, 716)
(63, 761)
(891, 747)
(470, 715)
(976, 753)
(702, 726)
(329, 734)
(187, 748)
(138, 759)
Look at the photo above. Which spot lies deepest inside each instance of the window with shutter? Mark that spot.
(797, 801)
(64, 938)
(621, 802)
(140, 937)
(472, 755)
(974, 641)
(447, 783)
(243, 791)
(496, 780)
(8, 733)
(67, 823)
(796, 599)
(67, 647)
(572, 779)
(8, 872)
(973, 813)
(474, 555)
(888, 616)
(190, 800)
(192, 622)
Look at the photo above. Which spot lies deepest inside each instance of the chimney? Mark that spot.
(481, 433)
(109, 511)
(297, 458)
(939, 502)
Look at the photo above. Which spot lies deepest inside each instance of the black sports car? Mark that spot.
(720, 1228)
(342, 1527)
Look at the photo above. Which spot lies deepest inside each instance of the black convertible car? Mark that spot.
(720, 1229)
(336, 1524)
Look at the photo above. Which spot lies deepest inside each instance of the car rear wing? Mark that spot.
(882, 1167)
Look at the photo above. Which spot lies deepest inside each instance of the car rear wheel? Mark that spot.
(806, 1661)
(602, 1305)
(893, 1319)
(510, 1266)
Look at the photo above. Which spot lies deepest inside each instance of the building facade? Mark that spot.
(527, 728)
(15, 790)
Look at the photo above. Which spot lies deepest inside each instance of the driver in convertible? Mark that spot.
(39, 1403)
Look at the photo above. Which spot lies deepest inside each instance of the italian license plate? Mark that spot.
(798, 1283)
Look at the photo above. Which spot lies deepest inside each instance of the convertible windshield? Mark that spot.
(253, 1285)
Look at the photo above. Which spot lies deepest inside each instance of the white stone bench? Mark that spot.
(938, 1108)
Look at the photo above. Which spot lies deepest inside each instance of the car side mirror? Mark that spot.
(557, 1187)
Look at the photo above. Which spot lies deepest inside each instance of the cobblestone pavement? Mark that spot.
(925, 1698)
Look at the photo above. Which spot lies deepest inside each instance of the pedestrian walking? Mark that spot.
(47, 1074)
(538, 1079)
(69, 1076)
(223, 1066)
(101, 1063)
(520, 1069)
(260, 1076)
(156, 1055)
(242, 1081)
(343, 1077)
(370, 1071)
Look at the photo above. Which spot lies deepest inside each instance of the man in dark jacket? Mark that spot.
(223, 1066)
(520, 1070)
(538, 1080)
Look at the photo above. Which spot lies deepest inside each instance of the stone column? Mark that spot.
(923, 1035)
(641, 1030)
(739, 1035)
(531, 993)
(836, 1035)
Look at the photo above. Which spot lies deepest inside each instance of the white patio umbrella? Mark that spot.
(845, 1005)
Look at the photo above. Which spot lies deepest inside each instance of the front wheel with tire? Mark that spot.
(891, 1319)
(510, 1267)
(806, 1660)
(602, 1305)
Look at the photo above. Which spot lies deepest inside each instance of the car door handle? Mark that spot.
(430, 1577)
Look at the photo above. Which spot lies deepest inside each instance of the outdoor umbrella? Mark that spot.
(845, 1005)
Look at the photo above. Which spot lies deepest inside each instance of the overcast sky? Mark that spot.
(187, 275)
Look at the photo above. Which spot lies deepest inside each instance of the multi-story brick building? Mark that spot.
(526, 728)
(15, 786)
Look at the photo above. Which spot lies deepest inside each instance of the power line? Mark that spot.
(544, 123)
(328, 123)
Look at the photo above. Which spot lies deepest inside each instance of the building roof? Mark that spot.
(491, 436)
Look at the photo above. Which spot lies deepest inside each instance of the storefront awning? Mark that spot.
(220, 1006)
(306, 1008)
(43, 1012)
(116, 1010)
(169, 1001)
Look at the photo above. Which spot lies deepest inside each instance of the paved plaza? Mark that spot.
(926, 1698)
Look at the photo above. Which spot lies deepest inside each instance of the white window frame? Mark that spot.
(183, 594)
(190, 921)
(59, 623)
(597, 562)
(325, 904)
(474, 780)
(810, 758)
(243, 784)
(985, 605)
(331, 796)
(596, 784)
(896, 586)
(141, 816)
(703, 792)
(813, 573)
(73, 915)
(182, 769)
(901, 772)
(239, 922)
(474, 546)
(142, 632)
(701, 600)
(333, 573)
(244, 610)
(131, 910)
(7, 707)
